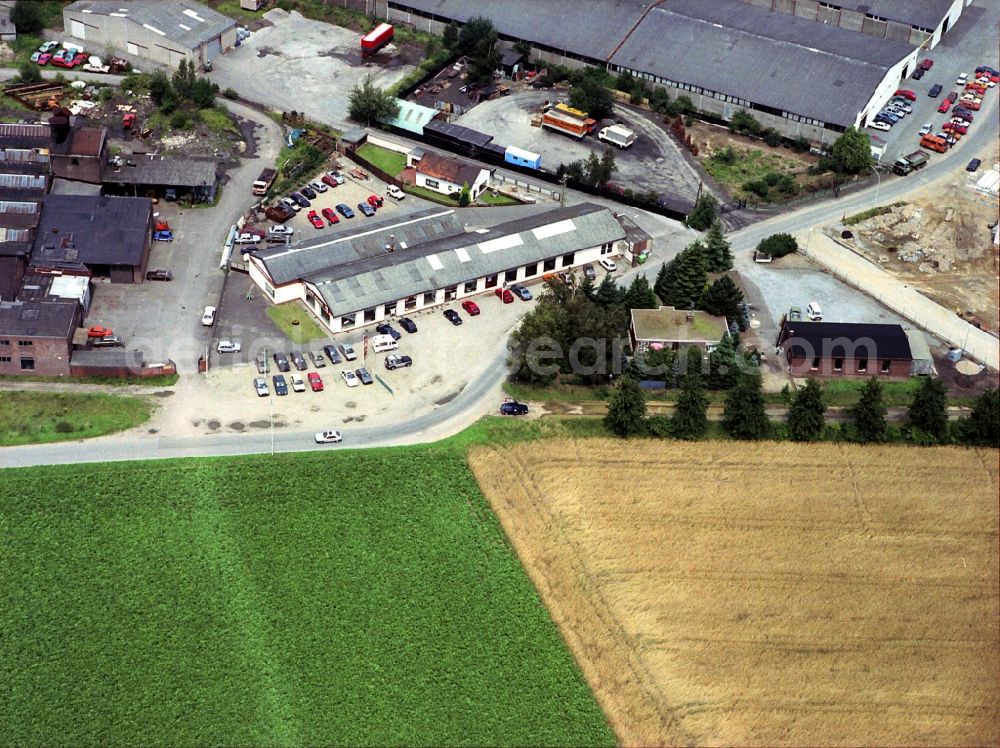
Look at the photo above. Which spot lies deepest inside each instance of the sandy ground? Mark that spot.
(842, 596)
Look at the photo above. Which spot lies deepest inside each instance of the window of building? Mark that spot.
(838, 364)
(410, 303)
(470, 286)
(450, 293)
(5, 342)
(310, 299)
(75, 161)
(568, 259)
(862, 364)
(886, 365)
(347, 321)
(549, 264)
(269, 290)
(369, 315)
(432, 183)
(491, 280)
(815, 364)
(388, 309)
(325, 314)
(4, 359)
(530, 270)
(27, 364)
(25, 343)
(429, 297)
(510, 276)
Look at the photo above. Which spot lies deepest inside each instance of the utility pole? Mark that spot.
(562, 193)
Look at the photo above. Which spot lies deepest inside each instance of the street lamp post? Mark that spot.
(878, 184)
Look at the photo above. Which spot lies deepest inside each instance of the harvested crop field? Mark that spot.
(766, 594)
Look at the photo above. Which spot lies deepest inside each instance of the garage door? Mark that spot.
(77, 29)
(213, 49)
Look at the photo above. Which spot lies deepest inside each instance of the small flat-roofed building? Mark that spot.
(36, 336)
(845, 349)
(82, 157)
(667, 327)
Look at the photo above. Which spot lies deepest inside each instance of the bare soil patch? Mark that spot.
(772, 594)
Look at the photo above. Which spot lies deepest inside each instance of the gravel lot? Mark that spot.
(304, 65)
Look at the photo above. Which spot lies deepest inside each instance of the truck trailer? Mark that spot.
(910, 162)
(561, 119)
(618, 135)
(263, 183)
(521, 157)
(377, 38)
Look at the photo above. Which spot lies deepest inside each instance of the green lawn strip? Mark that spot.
(432, 195)
(342, 597)
(217, 120)
(488, 198)
(160, 380)
(41, 417)
(283, 315)
(391, 162)
(232, 9)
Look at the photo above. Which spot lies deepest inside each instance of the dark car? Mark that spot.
(281, 361)
(408, 324)
(386, 329)
(963, 113)
(397, 362)
(317, 358)
(452, 316)
(589, 273)
(973, 164)
(108, 341)
(308, 192)
(299, 360)
(280, 385)
(935, 91)
(159, 275)
(300, 200)
(918, 74)
(513, 408)
(366, 209)
(521, 292)
(345, 211)
(364, 376)
(332, 353)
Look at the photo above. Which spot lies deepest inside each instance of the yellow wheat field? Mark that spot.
(772, 594)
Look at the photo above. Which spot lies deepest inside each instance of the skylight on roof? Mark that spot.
(192, 14)
(502, 242)
(463, 255)
(154, 29)
(435, 262)
(554, 229)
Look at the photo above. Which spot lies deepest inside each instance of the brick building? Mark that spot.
(845, 349)
(36, 337)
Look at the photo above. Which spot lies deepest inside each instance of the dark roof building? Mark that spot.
(36, 336)
(186, 174)
(830, 349)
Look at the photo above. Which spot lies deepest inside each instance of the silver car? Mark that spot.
(260, 385)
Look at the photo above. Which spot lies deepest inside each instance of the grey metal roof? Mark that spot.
(38, 319)
(25, 136)
(92, 230)
(302, 259)
(924, 13)
(188, 23)
(180, 171)
(450, 261)
(774, 59)
(590, 28)
(111, 358)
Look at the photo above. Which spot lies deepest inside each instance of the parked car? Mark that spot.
(961, 111)
(280, 230)
(348, 351)
(330, 436)
(318, 186)
(315, 381)
(521, 292)
(44, 58)
(280, 385)
(366, 209)
(452, 316)
(375, 201)
(345, 211)
(163, 236)
(795, 314)
(51, 45)
(973, 165)
(935, 91)
(944, 106)
(927, 127)
(307, 192)
(505, 295)
(228, 346)
(299, 360)
(281, 361)
(394, 192)
(97, 331)
(290, 204)
(317, 358)
(350, 379)
(315, 220)
(408, 324)
(394, 361)
(386, 329)
(364, 375)
(926, 64)
(513, 408)
(958, 126)
(951, 96)
(880, 125)
(108, 341)
(607, 264)
(208, 316)
(902, 105)
(260, 386)
(263, 365)
(332, 353)
(328, 180)
(331, 216)
(589, 273)
(906, 94)
(962, 79)
(159, 275)
(298, 383)
(470, 307)
(246, 238)
(918, 74)
(336, 176)
(300, 200)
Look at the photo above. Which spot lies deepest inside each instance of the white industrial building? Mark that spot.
(161, 31)
(402, 265)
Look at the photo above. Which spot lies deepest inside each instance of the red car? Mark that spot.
(61, 62)
(329, 181)
(78, 59)
(979, 88)
(44, 59)
(99, 332)
(505, 295)
(944, 106)
(959, 127)
(331, 215)
(926, 64)
(315, 382)
(375, 201)
(470, 307)
(906, 94)
(314, 219)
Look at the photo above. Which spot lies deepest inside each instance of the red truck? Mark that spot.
(377, 38)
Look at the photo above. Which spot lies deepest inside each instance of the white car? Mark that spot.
(247, 239)
(260, 385)
(208, 318)
(607, 264)
(926, 128)
(336, 176)
(985, 81)
(318, 186)
(290, 204)
(394, 192)
(280, 230)
(350, 378)
(298, 383)
(880, 126)
(228, 346)
(331, 436)
(962, 79)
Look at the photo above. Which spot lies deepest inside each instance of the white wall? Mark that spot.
(892, 81)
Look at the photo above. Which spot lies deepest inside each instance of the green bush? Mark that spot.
(772, 137)
(801, 144)
(757, 187)
(744, 123)
(772, 178)
(231, 93)
(778, 245)
(787, 185)
(180, 120)
(725, 156)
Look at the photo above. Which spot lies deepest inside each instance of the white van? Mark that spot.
(380, 343)
(813, 312)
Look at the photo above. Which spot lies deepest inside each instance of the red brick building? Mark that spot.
(36, 337)
(845, 349)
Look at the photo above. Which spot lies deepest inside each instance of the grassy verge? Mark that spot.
(391, 162)
(42, 417)
(232, 9)
(488, 198)
(434, 197)
(747, 165)
(163, 380)
(234, 600)
(304, 328)
(217, 120)
(864, 215)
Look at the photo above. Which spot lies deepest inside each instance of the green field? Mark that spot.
(35, 417)
(329, 598)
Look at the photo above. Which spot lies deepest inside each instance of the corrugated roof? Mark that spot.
(412, 116)
(845, 340)
(92, 230)
(188, 23)
(458, 133)
(178, 171)
(924, 13)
